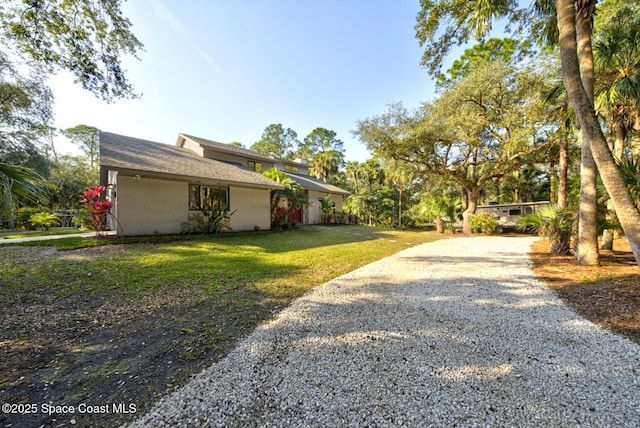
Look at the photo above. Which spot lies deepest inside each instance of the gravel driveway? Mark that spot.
(456, 332)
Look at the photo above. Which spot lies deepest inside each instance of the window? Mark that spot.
(205, 197)
(515, 212)
(256, 166)
(291, 168)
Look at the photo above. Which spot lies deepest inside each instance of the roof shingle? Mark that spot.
(311, 183)
(119, 151)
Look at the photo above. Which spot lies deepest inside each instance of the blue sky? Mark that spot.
(225, 70)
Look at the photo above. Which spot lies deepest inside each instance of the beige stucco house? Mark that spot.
(158, 188)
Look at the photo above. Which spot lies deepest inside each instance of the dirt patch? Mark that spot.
(607, 295)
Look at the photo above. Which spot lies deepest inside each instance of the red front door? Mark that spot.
(296, 215)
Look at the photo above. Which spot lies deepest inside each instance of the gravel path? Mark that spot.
(453, 333)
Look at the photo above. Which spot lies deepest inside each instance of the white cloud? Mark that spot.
(209, 60)
(166, 15)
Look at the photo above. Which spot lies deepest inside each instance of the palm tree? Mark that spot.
(444, 207)
(435, 29)
(292, 195)
(352, 171)
(630, 169)
(18, 182)
(559, 225)
(326, 164)
(628, 213)
(617, 60)
(371, 171)
(557, 99)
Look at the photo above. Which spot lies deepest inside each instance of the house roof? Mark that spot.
(136, 155)
(226, 148)
(239, 151)
(311, 183)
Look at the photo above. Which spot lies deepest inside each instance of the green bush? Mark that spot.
(483, 223)
(559, 226)
(44, 219)
(210, 220)
(83, 219)
(23, 217)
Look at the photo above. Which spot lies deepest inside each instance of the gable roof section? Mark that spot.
(226, 148)
(311, 183)
(136, 155)
(238, 151)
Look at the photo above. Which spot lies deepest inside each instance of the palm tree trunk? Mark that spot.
(553, 182)
(608, 235)
(587, 253)
(618, 191)
(400, 205)
(563, 168)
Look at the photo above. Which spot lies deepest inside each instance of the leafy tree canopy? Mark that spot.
(276, 141)
(480, 129)
(88, 139)
(319, 140)
(506, 50)
(441, 24)
(86, 37)
(25, 115)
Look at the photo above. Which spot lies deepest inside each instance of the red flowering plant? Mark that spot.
(98, 209)
(278, 217)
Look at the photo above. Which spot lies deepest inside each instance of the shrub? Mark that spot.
(44, 219)
(556, 224)
(23, 217)
(483, 223)
(83, 219)
(210, 220)
(97, 208)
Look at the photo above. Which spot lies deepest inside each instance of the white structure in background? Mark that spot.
(508, 213)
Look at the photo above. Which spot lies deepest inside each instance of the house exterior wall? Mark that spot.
(338, 201)
(243, 160)
(253, 208)
(315, 210)
(314, 213)
(148, 206)
(194, 147)
(300, 169)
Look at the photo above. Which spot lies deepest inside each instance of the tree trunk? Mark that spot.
(587, 252)
(553, 182)
(627, 212)
(473, 195)
(635, 138)
(563, 168)
(608, 235)
(400, 206)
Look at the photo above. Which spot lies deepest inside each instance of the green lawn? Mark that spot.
(131, 321)
(14, 233)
